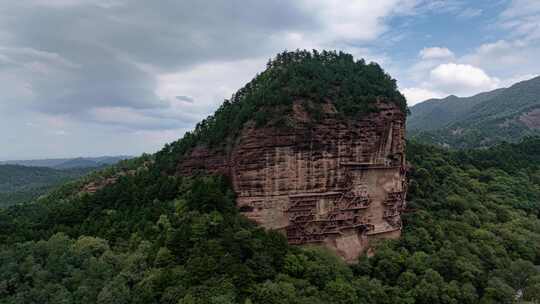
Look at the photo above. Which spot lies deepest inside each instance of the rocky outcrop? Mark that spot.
(337, 181)
(531, 119)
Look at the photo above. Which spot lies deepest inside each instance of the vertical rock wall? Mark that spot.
(338, 182)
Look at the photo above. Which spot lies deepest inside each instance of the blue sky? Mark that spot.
(463, 47)
(96, 77)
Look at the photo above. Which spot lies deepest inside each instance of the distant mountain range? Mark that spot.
(25, 180)
(482, 120)
(19, 184)
(69, 163)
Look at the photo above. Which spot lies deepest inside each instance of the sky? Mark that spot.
(117, 77)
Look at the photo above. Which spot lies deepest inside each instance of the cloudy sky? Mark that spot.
(105, 77)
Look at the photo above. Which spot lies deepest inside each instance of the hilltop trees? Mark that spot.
(312, 77)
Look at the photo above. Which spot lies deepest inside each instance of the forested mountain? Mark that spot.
(353, 86)
(148, 235)
(435, 114)
(25, 180)
(472, 235)
(19, 184)
(481, 120)
(68, 163)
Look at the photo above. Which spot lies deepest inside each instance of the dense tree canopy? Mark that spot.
(472, 235)
(19, 184)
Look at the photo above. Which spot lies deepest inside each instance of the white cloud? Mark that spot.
(416, 95)
(466, 76)
(84, 59)
(121, 115)
(206, 84)
(436, 53)
(519, 8)
(506, 58)
(462, 79)
(522, 17)
(73, 3)
(60, 132)
(13, 55)
(470, 13)
(345, 25)
(493, 64)
(345, 20)
(498, 47)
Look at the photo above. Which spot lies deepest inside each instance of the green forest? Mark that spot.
(471, 235)
(19, 184)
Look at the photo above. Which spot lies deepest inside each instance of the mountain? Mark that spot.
(434, 114)
(143, 232)
(80, 163)
(19, 184)
(68, 163)
(482, 120)
(25, 180)
(317, 161)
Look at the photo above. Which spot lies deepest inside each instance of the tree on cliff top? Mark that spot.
(353, 86)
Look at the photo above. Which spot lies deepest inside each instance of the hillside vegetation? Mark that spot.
(19, 184)
(479, 121)
(435, 114)
(472, 236)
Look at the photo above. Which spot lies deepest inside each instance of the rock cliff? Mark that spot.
(333, 180)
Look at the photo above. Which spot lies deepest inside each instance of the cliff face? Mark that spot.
(338, 182)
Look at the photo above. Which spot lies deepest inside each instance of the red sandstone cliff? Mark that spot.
(338, 182)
